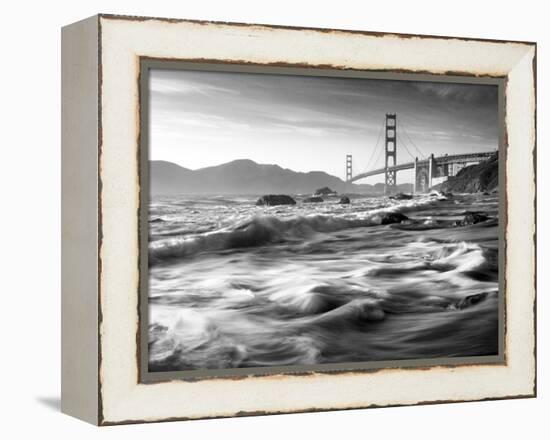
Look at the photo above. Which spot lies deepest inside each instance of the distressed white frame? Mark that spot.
(122, 40)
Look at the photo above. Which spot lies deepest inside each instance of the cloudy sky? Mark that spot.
(199, 119)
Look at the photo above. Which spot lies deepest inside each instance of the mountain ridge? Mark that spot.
(244, 176)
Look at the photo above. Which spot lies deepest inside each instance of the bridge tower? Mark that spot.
(424, 172)
(391, 151)
(349, 172)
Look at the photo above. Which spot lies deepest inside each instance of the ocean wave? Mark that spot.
(266, 229)
(322, 283)
(227, 338)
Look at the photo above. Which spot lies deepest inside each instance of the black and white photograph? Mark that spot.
(307, 220)
(225, 220)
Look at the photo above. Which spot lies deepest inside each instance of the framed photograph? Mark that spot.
(262, 219)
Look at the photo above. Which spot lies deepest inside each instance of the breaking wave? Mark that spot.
(269, 229)
(321, 283)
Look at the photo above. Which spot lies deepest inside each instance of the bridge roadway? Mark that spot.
(441, 160)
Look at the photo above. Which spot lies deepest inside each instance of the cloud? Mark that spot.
(458, 93)
(246, 115)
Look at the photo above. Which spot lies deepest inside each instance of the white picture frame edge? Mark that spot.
(100, 184)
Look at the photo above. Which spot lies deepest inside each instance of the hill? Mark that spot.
(245, 176)
(474, 178)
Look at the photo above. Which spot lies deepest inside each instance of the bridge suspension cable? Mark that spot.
(378, 157)
(411, 141)
(376, 154)
(376, 146)
(405, 146)
(361, 170)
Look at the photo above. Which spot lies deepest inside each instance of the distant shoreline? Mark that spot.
(248, 177)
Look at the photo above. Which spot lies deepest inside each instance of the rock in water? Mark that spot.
(275, 199)
(441, 195)
(471, 218)
(471, 300)
(345, 201)
(324, 191)
(401, 196)
(313, 200)
(393, 217)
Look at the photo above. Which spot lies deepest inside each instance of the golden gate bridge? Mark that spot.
(425, 169)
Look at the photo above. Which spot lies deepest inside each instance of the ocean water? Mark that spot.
(237, 285)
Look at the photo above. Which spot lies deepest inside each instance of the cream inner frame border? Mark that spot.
(122, 42)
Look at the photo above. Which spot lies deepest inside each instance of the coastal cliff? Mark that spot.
(474, 178)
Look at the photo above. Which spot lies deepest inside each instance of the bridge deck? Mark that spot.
(441, 160)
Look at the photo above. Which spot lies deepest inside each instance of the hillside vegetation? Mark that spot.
(474, 178)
